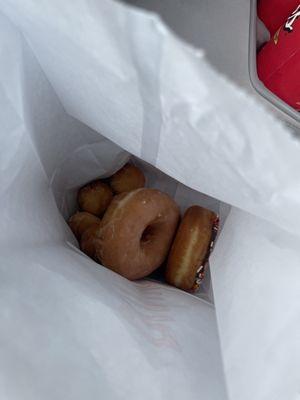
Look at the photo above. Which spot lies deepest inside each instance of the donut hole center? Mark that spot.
(148, 233)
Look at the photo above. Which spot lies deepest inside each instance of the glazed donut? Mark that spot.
(95, 197)
(191, 247)
(88, 241)
(136, 232)
(81, 221)
(127, 178)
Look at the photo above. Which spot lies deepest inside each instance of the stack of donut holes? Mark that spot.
(134, 230)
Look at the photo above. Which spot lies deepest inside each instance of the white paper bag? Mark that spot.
(82, 86)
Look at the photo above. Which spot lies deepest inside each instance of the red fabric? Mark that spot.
(278, 64)
(275, 12)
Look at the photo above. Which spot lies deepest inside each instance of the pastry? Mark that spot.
(191, 248)
(136, 232)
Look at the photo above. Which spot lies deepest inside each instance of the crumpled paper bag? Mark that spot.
(83, 85)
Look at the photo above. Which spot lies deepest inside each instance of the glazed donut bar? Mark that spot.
(140, 230)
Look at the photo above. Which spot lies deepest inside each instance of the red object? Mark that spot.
(274, 13)
(278, 62)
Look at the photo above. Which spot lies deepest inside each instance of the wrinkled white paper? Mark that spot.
(72, 330)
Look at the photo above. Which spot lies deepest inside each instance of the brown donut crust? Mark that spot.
(190, 247)
(88, 241)
(136, 232)
(127, 178)
(95, 197)
(81, 221)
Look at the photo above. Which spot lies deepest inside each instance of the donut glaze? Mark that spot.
(190, 247)
(95, 197)
(127, 178)
(88, 241)
(81, 221)
(136, 232)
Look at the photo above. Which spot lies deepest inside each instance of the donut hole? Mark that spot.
(149, 233)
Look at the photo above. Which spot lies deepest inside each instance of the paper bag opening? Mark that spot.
(86, 331)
